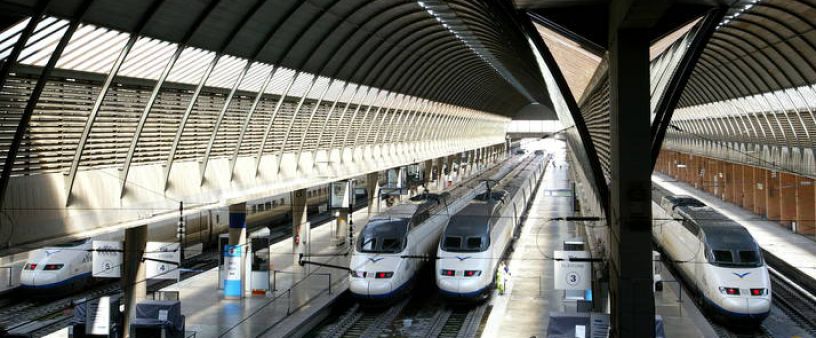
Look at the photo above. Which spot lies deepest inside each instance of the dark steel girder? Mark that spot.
(594, 172)
(667, 101)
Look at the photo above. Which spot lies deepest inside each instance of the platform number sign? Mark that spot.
(570, 274)
(573, 278)
(162, 260)
(106, 259)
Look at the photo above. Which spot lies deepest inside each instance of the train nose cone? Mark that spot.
(377, 288)
(468, 285)
(737, 305)
(759, 306)
(450, 285)
(45, 278)
(359, 286)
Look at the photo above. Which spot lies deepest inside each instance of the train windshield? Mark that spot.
(468, 231)
(383, 236)
(732, 247)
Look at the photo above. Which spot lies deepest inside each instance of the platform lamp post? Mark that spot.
(351, 198)
(180, 235)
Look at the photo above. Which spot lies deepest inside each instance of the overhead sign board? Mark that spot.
(572, 275)
(106, 258)
(162, 260)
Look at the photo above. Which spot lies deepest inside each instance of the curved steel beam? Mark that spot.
(83, 139)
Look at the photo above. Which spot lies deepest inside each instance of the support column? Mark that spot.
(300, 232)
(134, 282)
(373, 182)
(712, 181)
(459, 169)
(630, 266)
(736, 173)
(805, 207)
(471, 163)
(449, 170)
(760, 206)
(237, 236)
(747, 187)
(728, 182)
(787, 199)
(341, 227)
(427, 169)
(771, 195)
(719, 178)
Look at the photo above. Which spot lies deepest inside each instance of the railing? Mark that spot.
(306, 276)
(165, 295)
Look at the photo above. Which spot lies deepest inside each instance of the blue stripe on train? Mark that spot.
(57, 284)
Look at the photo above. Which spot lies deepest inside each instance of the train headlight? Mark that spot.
(381, 275)
(358, 274)
(30, 266)
(729, 291)
(449, 273)
(53, 267)
(473, 273)
(759, 292)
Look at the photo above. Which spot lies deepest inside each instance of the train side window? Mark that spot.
(254, 208)
(281, 201)
(268, 205)
(217, 219)
(274, 203)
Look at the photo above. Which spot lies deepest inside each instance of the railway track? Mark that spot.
(796, 302)
(446, 322)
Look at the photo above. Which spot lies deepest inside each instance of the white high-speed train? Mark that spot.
(477, 238)
(717, 257)
(390, 250)
(67, 267)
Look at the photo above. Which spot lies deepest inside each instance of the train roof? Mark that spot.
(399, 211)
(719, 230)
(473, 220)
(684, 200)
(706, 216)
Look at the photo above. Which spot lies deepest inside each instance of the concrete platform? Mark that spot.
(530, 298)
(210, 315)
(785, 246)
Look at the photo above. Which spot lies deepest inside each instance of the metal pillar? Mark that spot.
(134, 282)
(805, 206)
(772, 195)
(373, 182)
(630, 266)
